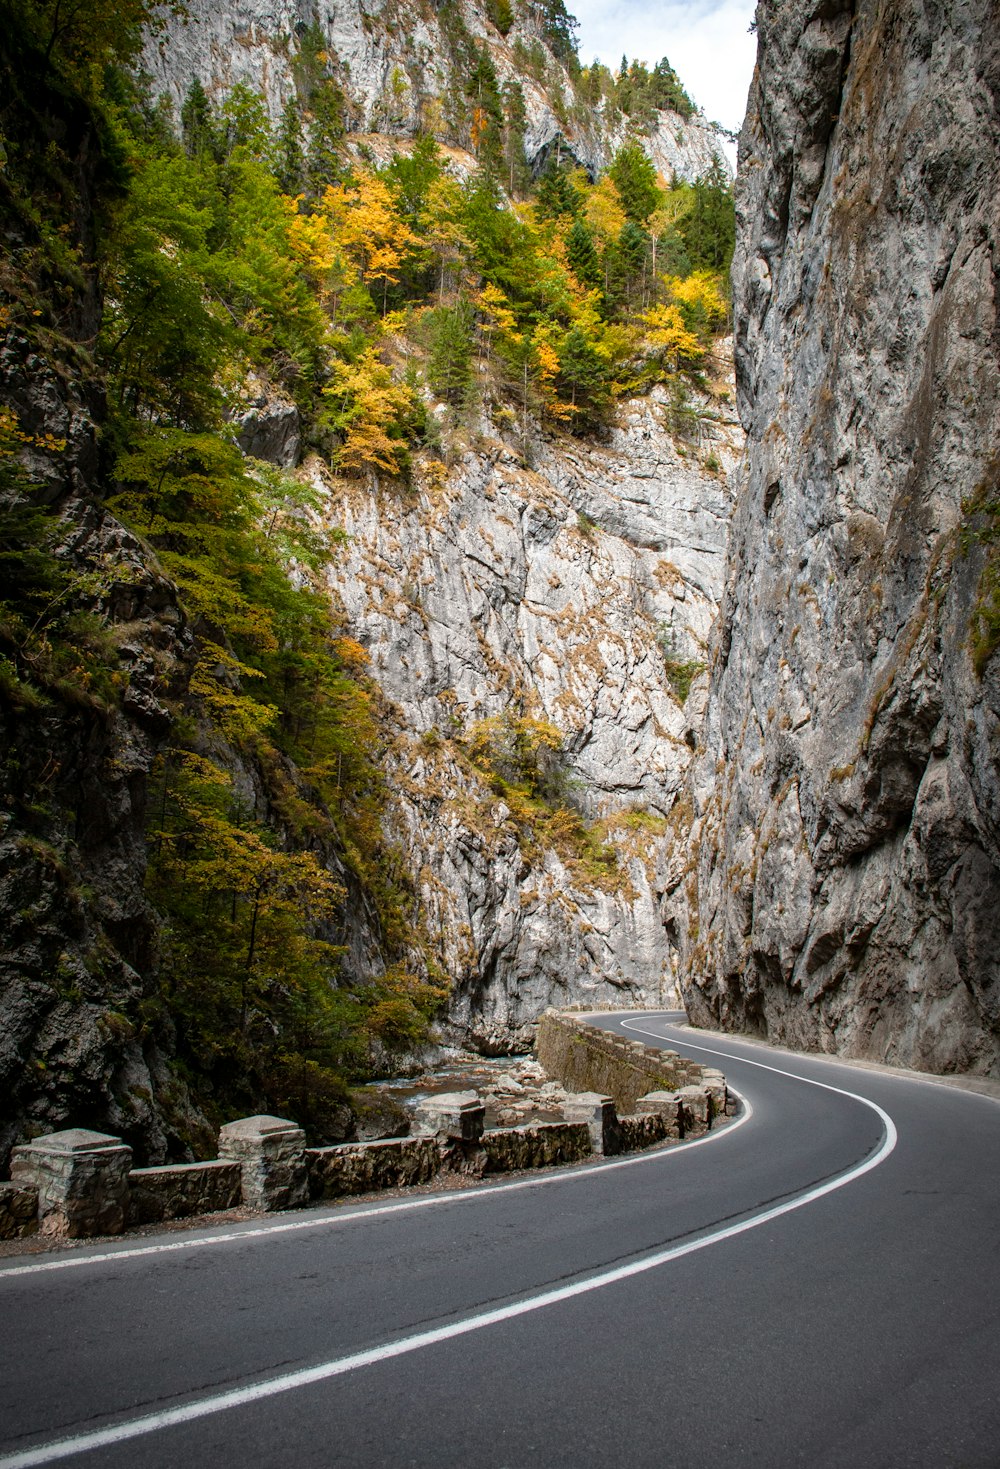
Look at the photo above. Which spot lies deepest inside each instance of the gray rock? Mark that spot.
(847, 803)
(267, 424)
(551, 593)
(391, 73)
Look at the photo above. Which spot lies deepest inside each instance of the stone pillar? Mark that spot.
(601, 1117)
(451, 1116)
(662, 1104)
(81, 1178)
(271, 1152)
(696, 1109)
(714, 1083)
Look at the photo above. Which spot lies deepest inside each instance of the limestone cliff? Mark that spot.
(536, 584)
(566, 593)
(398, 64)
(848, 870)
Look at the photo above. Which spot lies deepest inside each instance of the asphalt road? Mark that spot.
(817, 1284)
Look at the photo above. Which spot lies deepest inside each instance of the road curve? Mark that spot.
(817, 1284)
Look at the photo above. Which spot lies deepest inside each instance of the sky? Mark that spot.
(706, 42)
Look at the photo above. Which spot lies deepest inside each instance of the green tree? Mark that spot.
(517, 169)
(501, 13)
(487, 118)
(199, 127)
(582, 255)
(289, 155)
(709, 227)
(627, 266)
(449, 370)
(556, 195)
(583, 380)
(635, 179)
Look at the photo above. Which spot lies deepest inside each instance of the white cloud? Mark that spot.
(706, 42)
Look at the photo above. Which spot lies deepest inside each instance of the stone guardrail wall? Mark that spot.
(584, 1057)
(79, 1184)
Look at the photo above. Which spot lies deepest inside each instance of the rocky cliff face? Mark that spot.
(565, 593)
(848, 795)
(577, 593)
(396, 65)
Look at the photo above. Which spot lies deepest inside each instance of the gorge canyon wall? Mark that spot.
(847, 796)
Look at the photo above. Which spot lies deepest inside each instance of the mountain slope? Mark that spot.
(403, 68)
(302, 760)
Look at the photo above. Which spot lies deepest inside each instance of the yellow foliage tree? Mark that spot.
(547, 359)
(700, 299)
(669, 338)
(368, 223)
(603, 210)
(664, 220)
(366, 403)
(496, 317)
(440, 223)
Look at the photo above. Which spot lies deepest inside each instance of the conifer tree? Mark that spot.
(583, 379)
(582, 255)
(516, 121)
(289, 155)
(198, 124)
(556, 195)
(449, 371)
(635, 179)
(709, 228)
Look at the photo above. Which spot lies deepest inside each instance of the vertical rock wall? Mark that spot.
(556, 593)
(847, 893)
(395, 59)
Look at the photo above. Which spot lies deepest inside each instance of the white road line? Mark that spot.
(823, 1058)
(239, 1397)
(323, 1221)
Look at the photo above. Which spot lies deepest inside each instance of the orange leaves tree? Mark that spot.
(368, 406)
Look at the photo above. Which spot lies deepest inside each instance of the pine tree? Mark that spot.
(556, 195)
(582, 255)
(487, 120)
(290, 160)
(635, 179)
(449, 371)
(515, 157)
(583, 378)
(630, 251)
(198, 125)
(709, 229)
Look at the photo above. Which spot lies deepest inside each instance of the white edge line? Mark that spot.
(271, 1387)
(565, 1174)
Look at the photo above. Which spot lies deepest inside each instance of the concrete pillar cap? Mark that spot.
(75, 1140)
(262, 1125)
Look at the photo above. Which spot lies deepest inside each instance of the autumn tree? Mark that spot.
(368, 408)
(368, 222)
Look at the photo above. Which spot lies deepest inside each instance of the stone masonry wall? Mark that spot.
(586, 1059)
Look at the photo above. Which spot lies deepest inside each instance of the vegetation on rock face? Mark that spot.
(522, 759)
(155, 263)
(982, 511)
